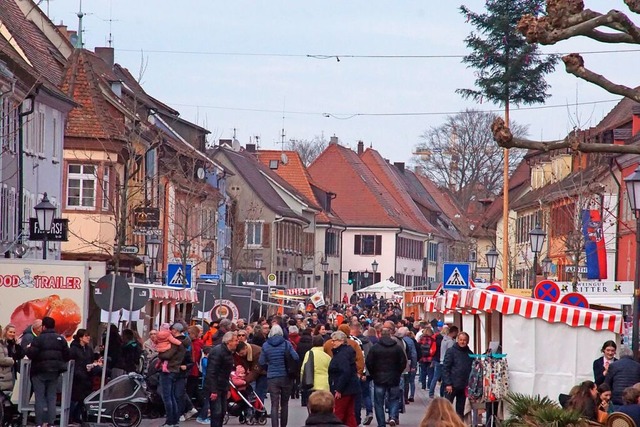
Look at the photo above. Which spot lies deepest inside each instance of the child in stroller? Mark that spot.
(243, 402)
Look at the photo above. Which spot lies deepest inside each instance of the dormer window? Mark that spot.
(273, 164)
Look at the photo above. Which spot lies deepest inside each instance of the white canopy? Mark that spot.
(384, 287)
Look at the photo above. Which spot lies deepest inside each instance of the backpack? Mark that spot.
(475, 390)
(291, 365)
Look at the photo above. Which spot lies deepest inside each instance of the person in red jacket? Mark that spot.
(427, 351)
(194, 378)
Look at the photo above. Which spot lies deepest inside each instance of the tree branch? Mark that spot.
(574, 64)
(502, 135)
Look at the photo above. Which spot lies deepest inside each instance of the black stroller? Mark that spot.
(123, 401)
(9, 414)
(246, 405)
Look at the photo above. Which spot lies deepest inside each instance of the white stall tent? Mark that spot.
(550, 347)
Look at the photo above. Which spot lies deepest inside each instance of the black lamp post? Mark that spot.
(536, 239)
(207, 253)
(374, 268)
(472, 266)
(225, 267)
(153, 247)
(44, 214)
(546, 266)
(633, 192)
(325, 268)
(492, 260)
(258, 261)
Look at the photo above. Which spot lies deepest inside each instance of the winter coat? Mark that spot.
(457, 367)
(49, 353)
(386, 362)
(412, 353)
(272, 356)
(343, 376)
(131, 353)
(427, 348)
(294, 339)
(17, 353)
(174, 357)
(304, 345)
(196, 355)
(219, 367)
(438, 338)
(324, 420)
(328, 348)
(622, 374)
(217, 337)
(598, 370)
(446, 344)
(321, 361)
(250, 362)
(6, 368)
(27, 338)
(82, 356)
(187, 360)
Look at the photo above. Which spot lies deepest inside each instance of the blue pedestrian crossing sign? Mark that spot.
(455, 276)
(177, 278)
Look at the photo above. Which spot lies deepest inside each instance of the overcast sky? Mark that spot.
(243, 65)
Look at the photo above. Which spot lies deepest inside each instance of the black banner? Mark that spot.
(59, 231)
(146, 218)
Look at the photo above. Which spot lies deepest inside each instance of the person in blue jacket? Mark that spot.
(272, 359)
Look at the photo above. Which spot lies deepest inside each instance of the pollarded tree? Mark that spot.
(566, 19)
(462, 156)
(308, 149)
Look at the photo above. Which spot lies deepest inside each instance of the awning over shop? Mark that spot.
(301, 291)
(551, 312)
(165, 293)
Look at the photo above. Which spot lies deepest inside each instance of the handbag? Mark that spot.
(308, 373)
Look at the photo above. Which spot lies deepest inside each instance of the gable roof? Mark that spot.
(361, 199)
(296, 174)
(257, 176)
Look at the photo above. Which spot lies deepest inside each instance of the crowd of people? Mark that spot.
(362, 361)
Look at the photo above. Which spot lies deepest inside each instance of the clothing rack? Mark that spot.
(492, 406)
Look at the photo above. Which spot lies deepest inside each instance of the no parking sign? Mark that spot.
(547, 290)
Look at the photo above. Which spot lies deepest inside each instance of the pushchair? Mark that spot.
(123, 401)
(10, 416)
(246, 405)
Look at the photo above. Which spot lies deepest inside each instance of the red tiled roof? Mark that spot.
(361, 200)
(396, 191)
(95, 117)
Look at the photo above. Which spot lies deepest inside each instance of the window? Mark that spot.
(39, 133)
(106, 175)
(54, 139)
(253, 231)
(331, 243)
(367, 244)
(208, 223)
(432, 252)
(81, 186)
(409, 248)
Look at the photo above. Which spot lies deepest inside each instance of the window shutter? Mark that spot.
(357, 243)
(266, 235)
(378, 250)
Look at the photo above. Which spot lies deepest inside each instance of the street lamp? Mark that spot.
(258, 262)
(325, 268)
(536, 240)
(225, 267)
(633, 191)
(546, 266)
(207, 253)
(472, 266)
(374, 267)
(492, 260)
(44, 214)
(153, 247)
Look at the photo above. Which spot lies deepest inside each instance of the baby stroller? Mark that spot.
(246, 405)
(123, 400)
(9, 414)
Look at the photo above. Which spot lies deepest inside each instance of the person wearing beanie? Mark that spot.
(328, 348)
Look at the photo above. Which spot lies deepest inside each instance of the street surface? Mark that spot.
(298, 415)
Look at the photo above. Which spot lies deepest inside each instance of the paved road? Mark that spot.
(297, 415)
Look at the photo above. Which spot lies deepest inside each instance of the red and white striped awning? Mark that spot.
(301, 291)
(421, 298)
(430, 305)
(177, 295)
(551, 312)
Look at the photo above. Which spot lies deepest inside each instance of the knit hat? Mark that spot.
(165, 327)
(178, 327)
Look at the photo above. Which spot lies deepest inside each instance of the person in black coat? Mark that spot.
(49, 354)
(601, 365)
(216, 381)
(305, 344)
(321, 404)
(130, 353)
(343, 378)
(622, 374)
(456, 368)
(84, 369)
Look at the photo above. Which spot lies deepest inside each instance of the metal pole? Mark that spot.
(204, 302)
(533, 270)
(326, 284)
(491, 273)
(44, 244)
(105, 360)
(636, 293)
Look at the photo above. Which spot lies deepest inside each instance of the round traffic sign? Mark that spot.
(495, 288)
(547, 290)
(575, 299)
(102, 292)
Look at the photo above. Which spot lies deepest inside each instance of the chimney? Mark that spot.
(360, 147)
(107, 55)
(333, 140)
(399, 165)
(225, 143)
(419, 170)
(251, 148)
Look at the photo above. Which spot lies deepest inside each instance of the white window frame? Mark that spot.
(82, 176)
(106, 186)
(253, 224)
(54, 139)
(41, 131)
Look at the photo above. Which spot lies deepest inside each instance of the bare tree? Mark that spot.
(566, 19)
(308, 149)
(461, 155)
